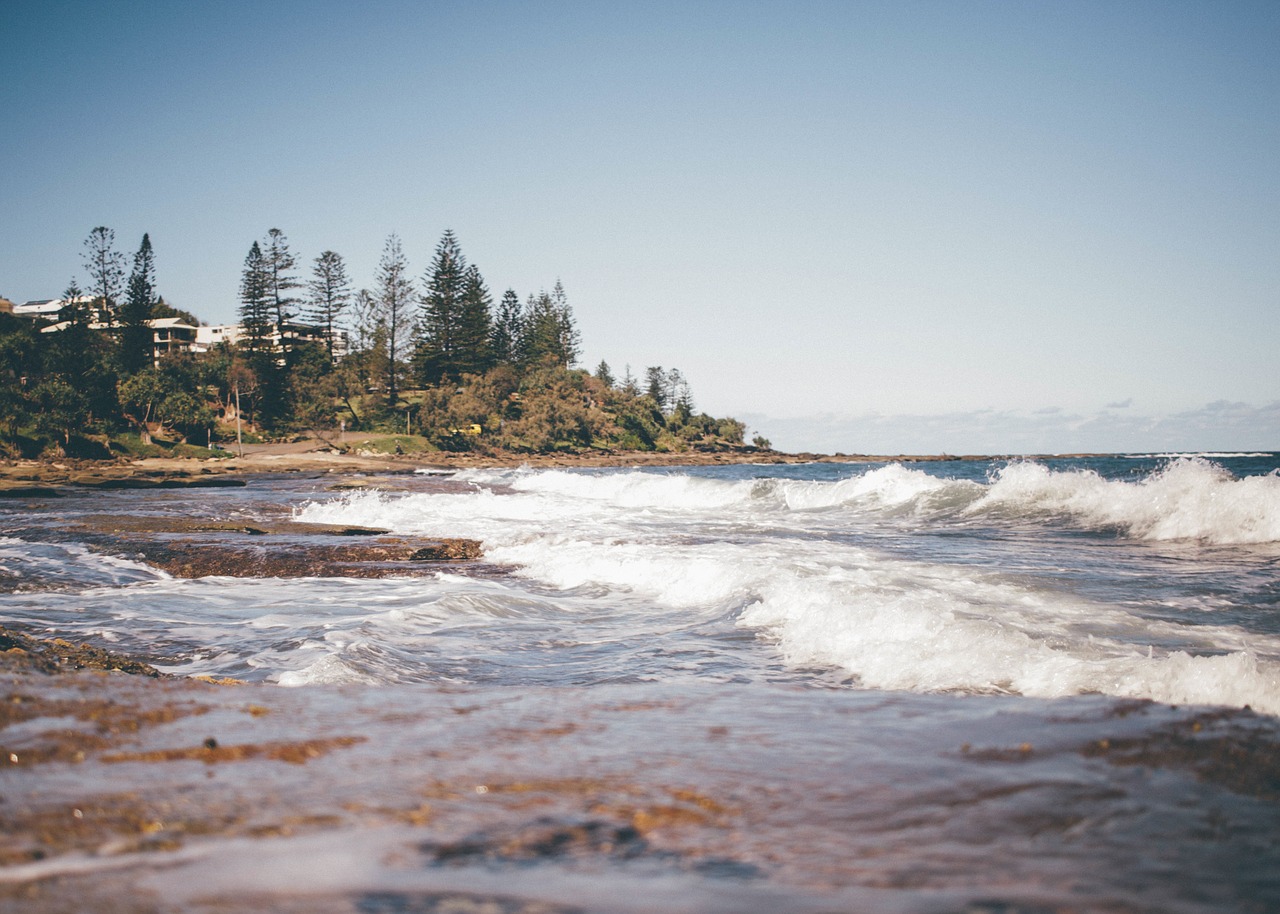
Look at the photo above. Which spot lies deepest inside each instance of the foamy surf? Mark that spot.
(841, 571)
(1190, 499)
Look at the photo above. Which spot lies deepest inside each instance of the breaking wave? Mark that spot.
(1188, 499)
(771, 556)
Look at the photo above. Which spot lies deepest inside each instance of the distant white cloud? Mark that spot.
(1219, 426)
(1122, 404)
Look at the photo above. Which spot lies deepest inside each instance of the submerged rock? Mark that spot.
(305, 560)
(195, 547)
(54, 655)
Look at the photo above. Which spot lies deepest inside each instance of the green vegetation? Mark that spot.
(424, 368)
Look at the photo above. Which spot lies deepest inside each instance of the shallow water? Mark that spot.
(940, 687)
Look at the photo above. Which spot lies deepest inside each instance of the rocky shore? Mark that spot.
(51, 479)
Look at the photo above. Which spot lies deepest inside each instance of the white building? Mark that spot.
(209, 336)
(46, 308)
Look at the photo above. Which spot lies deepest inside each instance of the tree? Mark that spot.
(475, 325)
(255, 304)
(257, 318)
(330, 294)
(438, 354)
(394, 296)
(62, 408)
(679, 394)
(570, 338)
(278, 261)
(655, 380)
(19, 358)
(74, 310)
(604, 374)
(105, 266)
(549, 331)
(140, 395)
(680, 397)
(504, 342)
(136, 337)
(82, 356)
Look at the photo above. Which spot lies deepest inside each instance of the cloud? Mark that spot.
(1122, 404)
(1219, 426)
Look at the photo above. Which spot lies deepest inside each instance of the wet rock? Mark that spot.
(295, 753)
(166, 482)
(293, 560)
(22, 490)
(452, 550)
(1232, 748)
(20, 651)
(117, 524)
(543, 839)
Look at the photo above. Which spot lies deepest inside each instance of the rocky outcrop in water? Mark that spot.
(192, 547)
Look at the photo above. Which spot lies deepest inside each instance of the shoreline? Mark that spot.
(41, 478)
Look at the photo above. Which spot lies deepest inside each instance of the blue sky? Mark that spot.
(897, 226)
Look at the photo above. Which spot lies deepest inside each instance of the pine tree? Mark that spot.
(259, 318)
(475, 325)
(367, 357)
(549, 330)
(136, 346)
(278, 264)
(74, 311)
(604, 374)
(394, 295)
(255, 302)
(570, 338)
(105, 266)
(439, 325)
(330, 293)
(656, 386)
(504, 343)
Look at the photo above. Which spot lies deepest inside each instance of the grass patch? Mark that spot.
(395, 444)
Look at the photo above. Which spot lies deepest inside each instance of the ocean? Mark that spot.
(961, 686)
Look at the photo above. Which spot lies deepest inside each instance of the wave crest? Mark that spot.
(1189, 499)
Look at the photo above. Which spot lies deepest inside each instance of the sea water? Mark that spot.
(835, 645)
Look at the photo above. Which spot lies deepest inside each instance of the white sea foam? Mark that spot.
(53, 566)
(1190, 499)
(330, 669)
(641, 542)
(973, 636)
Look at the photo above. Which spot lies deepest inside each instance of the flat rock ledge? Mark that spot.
(56, 480)
(192, 547)
(308, 560)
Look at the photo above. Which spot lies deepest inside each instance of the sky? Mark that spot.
(863, 227)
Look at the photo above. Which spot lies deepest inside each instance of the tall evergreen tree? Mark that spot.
(439, 325)
(258, 318)
(475, 325)
(549, 329)
(570, 340)
(105, 266)
(255, 302)
(279, 263)
(656, 387)
(330, 293)
(394, 297)
(136, 352)
(504, 343)
(679, 394)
